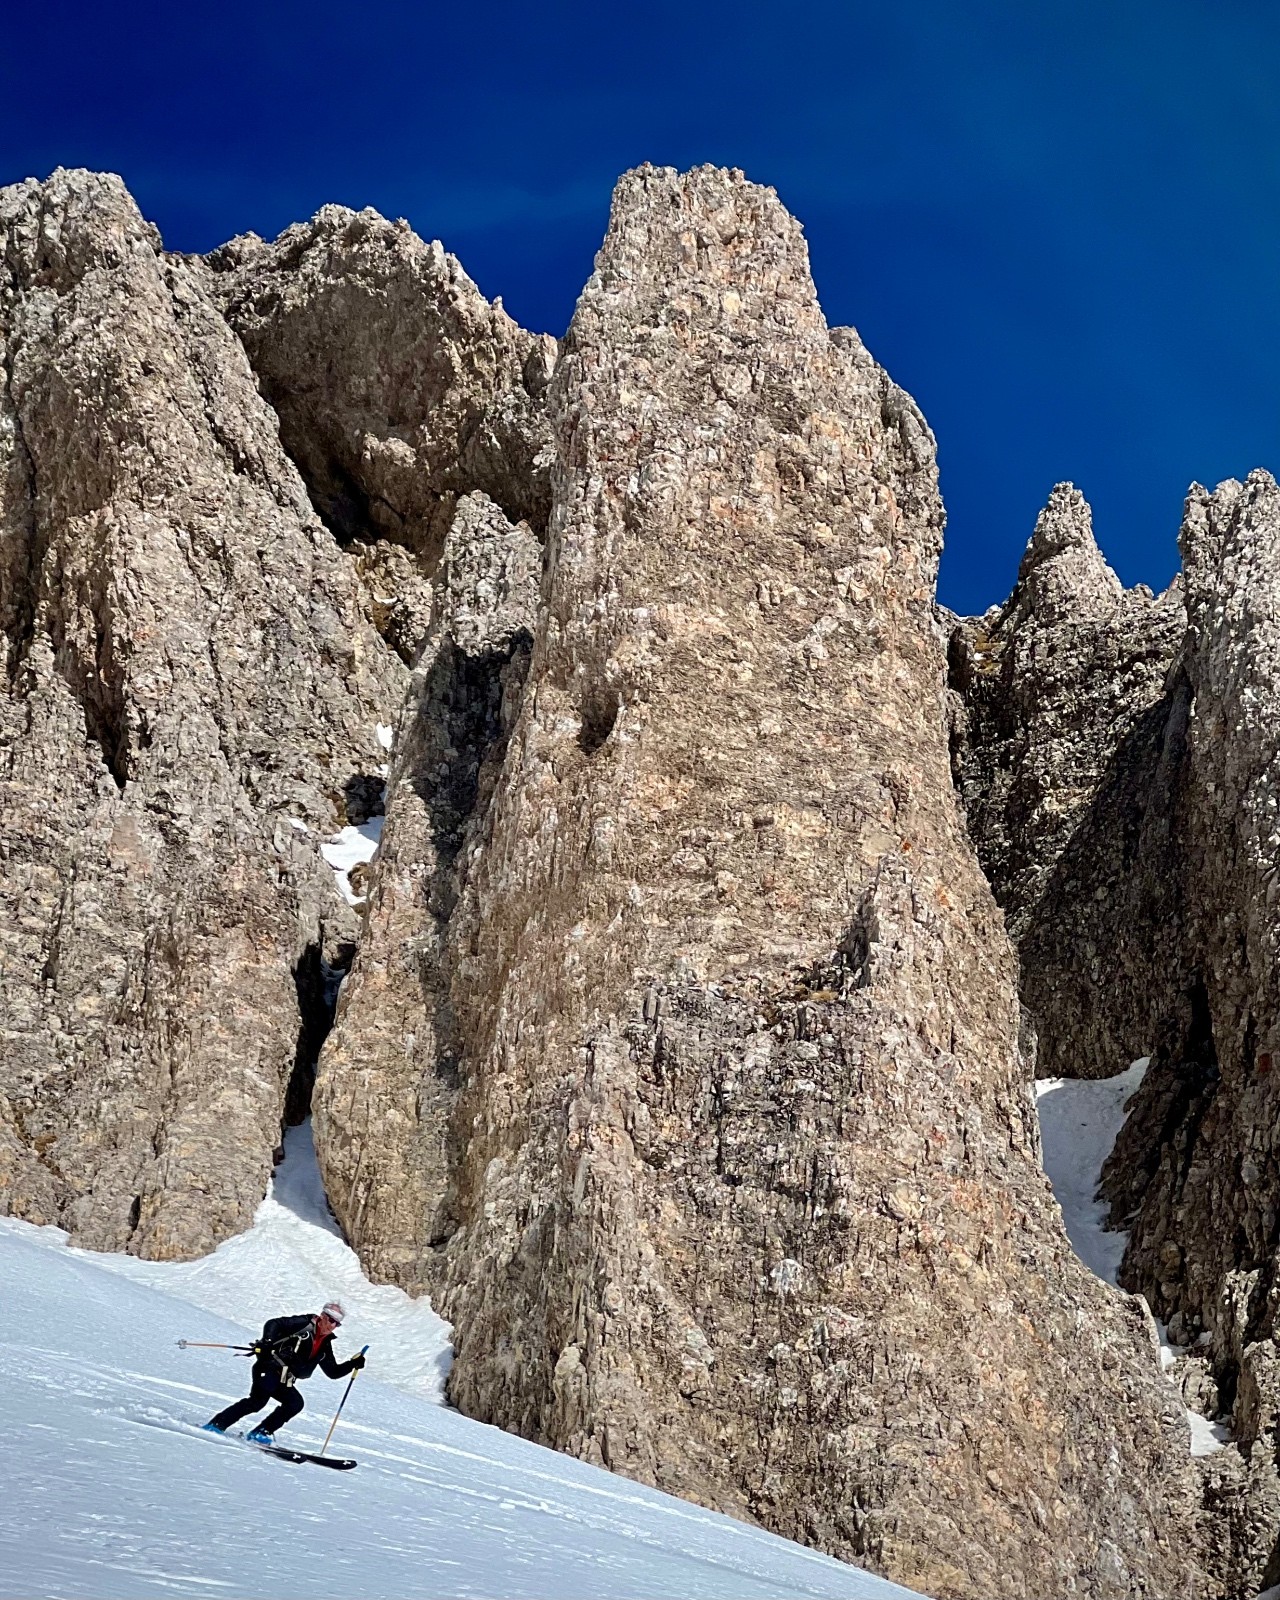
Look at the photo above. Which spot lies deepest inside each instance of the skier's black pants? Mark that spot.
(267, 1386)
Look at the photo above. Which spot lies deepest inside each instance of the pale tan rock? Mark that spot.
(400, 595)
(1119, 762)
(389, 1072)
(1197, 1173)
(399, 387)
(741, 1186)
(680, 1055)
(1067, 752)
(189, 662)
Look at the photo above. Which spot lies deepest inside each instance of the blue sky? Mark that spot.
(1057, 225)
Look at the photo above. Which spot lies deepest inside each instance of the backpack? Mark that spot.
(283, 1337)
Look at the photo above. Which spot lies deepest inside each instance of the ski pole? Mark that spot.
(341, 1403)
(199, 1344)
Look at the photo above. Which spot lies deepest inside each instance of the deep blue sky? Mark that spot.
(1056, 224)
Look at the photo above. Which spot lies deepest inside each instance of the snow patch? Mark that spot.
(385, 735)
(348, 848)
(1206, 1436)
(1080, 1121)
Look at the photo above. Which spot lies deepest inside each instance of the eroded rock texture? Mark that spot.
(1145, 754)
(399, 387)
(389, 1074)
(1197, 1173)
(680, 1053)
(188, 661)
(740, 1191)
(1068, 753)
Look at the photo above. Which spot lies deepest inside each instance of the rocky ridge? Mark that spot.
(680, 1053)
(1066, 750)
(1153, 931)
(1205, 1224)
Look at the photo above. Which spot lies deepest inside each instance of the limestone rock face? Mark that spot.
(1151, 927)
(1202, 1177)
(188, 663)
(400, 594)
(1067, 751)
(389, 1073)
(739, 1191)
(399, 387)
(680, 1053)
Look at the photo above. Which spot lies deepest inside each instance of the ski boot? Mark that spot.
(259, 1436)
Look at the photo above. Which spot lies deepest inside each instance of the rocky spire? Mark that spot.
(1197, 1173)
(681, 1052)
(1121, 776)
(740, 1191)
(1063, 576)
(1052, 692)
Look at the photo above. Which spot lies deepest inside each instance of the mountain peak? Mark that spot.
(1063, 572)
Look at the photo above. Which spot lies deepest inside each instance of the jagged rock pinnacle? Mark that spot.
(1063, 575)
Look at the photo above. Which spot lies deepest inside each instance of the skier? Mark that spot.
(290, 1348)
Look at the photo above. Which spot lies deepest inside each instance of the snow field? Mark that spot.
(295, 1256)
(113, 1492)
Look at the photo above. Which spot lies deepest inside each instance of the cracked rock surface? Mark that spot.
(724, 1139)
(399, 387)
(389, 1073)
(1197, 1173)
(680, 1055)
(1119, 767)
(1066, 752)
(187, 663)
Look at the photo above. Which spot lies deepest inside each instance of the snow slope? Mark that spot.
(111, 1490)
(1080, 1120)
(295, 1257)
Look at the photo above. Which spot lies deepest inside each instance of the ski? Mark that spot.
(338, 1463)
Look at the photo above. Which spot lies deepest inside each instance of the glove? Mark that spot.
(357, 1363)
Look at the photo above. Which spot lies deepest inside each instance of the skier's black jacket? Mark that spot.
(287, 1347)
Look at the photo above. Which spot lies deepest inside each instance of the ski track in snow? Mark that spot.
(115, 1493)
(1080, 1121)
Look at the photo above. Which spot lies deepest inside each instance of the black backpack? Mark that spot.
(282, 1337)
